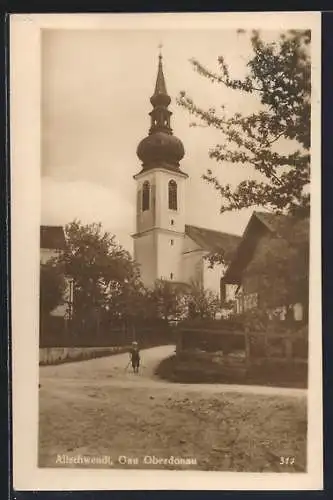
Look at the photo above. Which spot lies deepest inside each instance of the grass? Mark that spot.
(225, 432)
(198, 368)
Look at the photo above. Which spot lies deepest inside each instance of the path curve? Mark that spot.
(114, 371)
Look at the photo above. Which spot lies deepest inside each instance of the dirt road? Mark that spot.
(98, 410)
(115, 371)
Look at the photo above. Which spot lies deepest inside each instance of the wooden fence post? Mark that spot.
(179, 345)
(289, 348)
(247, 346)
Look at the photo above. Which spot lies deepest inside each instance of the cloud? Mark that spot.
(63, 202)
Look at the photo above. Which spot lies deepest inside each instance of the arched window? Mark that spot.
(172, 195)
(145, 196)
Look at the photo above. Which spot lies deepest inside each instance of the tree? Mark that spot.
(167, 300)
(279, 74)
(132, 303)
(202, 303)
(100, 268)
(52, 287)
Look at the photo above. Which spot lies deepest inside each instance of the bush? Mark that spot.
(201, 367)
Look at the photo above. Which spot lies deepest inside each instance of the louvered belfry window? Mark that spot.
(145, 196)
(172, 195)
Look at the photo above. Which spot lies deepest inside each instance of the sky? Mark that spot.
(96, 86)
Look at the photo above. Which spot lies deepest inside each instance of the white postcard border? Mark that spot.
(25, 131)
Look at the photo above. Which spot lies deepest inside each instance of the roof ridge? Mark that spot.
(51, 225)
(272, 214)
(53, 237)
(212, 230)
(269, 219)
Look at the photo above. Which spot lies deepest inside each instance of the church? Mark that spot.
(165, 246)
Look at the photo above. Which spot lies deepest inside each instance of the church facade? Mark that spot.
(165, 247)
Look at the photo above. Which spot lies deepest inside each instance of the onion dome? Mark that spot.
(160, 146)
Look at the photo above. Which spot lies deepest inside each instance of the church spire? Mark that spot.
(160, 147)
(160, 95)
(160, 115)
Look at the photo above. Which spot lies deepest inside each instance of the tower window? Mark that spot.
(171, 242)
(171, 276)
(145, 196)
(172, 222)
(172, 195)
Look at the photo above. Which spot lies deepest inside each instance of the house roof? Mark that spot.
(214, 241)
(52, 237)
(275, 222)
(259, 224)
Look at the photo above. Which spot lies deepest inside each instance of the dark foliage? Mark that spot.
(279, 75)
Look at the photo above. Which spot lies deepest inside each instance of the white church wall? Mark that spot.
(166, 218)
(190, 245)
(192, 261)
(192, 267)
(169, 263)
(212, 277)
(145, 220)
(145, 255)
(159, 251)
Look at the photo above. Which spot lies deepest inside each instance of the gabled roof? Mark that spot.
(52, 237)
(213, 241)
(259, 224)
(275, 222)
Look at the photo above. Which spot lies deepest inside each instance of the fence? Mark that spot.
(289, 344)
(211, 336)
(279, 352)
(57, 332)
(279, 340)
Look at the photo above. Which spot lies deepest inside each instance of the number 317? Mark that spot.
(287, 460)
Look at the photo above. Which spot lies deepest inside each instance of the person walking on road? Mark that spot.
(135, 357)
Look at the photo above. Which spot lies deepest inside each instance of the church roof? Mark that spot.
(214, 241)
(52, 237)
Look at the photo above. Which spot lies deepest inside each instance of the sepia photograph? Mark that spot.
(174, 246)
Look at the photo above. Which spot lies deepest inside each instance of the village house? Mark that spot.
(52, 243)
(270, 266)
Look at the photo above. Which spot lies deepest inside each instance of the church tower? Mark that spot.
(160, 216)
